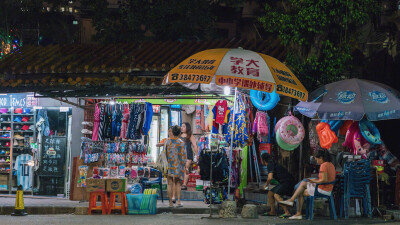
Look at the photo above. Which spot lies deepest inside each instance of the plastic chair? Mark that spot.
(93, 201)
(147, 183)
(357, 177)
(112, 206)
(310, 203)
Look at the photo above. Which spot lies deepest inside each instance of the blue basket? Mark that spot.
(142, 204)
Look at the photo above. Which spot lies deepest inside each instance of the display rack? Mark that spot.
(15, 148)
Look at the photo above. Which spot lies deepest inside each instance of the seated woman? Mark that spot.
(327, 173)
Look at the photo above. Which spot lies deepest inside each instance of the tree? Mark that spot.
(319, 35)
(157, 19)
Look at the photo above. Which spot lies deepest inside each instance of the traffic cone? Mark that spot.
(19, 203)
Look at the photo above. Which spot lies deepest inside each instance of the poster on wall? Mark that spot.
(19, 100)
(53, 156)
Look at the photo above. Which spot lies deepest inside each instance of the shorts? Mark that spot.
(285, 188)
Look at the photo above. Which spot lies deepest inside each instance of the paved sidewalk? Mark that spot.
(46, 205)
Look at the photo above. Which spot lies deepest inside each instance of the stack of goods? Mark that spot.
(118, 152)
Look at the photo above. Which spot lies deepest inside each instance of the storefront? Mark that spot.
(36, 143)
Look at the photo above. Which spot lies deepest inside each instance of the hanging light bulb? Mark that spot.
(227, 90)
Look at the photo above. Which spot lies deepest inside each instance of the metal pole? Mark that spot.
(301, 153)
(230, 154)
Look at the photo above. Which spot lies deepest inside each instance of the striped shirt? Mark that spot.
(24, 171)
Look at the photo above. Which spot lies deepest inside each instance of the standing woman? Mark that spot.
(190, 145)
(176, 156)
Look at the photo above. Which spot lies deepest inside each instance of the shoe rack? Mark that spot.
(19, 143)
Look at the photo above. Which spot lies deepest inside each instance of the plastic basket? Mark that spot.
(142, 204)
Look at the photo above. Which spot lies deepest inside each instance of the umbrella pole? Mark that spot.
(230, 154)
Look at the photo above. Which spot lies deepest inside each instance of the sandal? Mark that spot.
(171, 205)
(173, 200)
(184, 188)
(284, 216)
(179, 205)
(268, 214)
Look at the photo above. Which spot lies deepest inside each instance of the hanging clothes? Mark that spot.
(132, 120)
(206, 118)
(96, 124)
(240, 135)
(125, 121)
(114, 121)
(260, 125)
(107, 122)
(148, 118)
(118, 120)
(101, 123)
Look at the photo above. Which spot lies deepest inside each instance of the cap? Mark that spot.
(25, 127)
(18, 110)
(25, 119)
(17, 119)
(3, 110)
(26, 111)
(8, 128)
(17, 127)
(8, 144)
(32, 127)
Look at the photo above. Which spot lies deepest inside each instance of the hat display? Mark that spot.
(25, 119)
(17, 119)
(17, 127)
(26, 111)
(17, 136)
(18, 111)
(8, 128)
(25, 127)
(3, 110)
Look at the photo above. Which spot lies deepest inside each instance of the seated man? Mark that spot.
(285, 186)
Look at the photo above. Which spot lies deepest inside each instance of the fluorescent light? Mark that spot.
(227, 90)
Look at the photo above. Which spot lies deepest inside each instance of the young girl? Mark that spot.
(190, 145)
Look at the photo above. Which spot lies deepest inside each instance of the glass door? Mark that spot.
(153, 136)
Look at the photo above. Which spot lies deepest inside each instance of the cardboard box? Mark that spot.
(4, 179)
(116, 185)
(95, 185)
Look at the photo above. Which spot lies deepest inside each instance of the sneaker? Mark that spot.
(295, 217)
(288, 203)
(5, 136)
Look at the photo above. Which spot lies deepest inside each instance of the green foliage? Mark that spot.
(158, 19)
(319, 35)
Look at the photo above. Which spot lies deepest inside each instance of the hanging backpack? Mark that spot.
(262, 125)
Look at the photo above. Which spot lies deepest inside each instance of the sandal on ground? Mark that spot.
(179, 205)
(284, 216)
(184, 188)
(173, 200)
(171, 206)
(268, 214)
(296, 217)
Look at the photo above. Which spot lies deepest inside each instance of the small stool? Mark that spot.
(112, 206)
(93, 200)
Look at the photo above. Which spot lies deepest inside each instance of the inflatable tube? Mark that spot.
(346, 125)
(370, 131)
(292, 131)
(278, 124)
(350, 134)
(360, 145)
(263, 100)
(283, 144)
(326, 136)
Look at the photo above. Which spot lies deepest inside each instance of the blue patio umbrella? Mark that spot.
(352, 99)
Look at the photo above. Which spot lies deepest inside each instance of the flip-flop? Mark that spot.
(268, 214)
(284, 216)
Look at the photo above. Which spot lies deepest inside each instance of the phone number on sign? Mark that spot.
(191, 77)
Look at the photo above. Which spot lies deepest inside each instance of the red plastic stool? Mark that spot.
(93, 200)
(112, 206)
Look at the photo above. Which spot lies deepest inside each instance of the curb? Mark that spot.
(80, 210)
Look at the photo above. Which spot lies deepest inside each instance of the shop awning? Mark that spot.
(107, 70)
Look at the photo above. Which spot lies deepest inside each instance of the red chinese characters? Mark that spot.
(250, 68)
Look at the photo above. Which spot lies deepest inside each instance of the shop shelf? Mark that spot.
(25, 122)
(4, 163)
